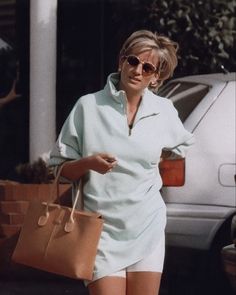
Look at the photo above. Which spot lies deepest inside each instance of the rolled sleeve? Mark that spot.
(68, 144)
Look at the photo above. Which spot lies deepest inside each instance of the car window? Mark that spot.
(184, 95)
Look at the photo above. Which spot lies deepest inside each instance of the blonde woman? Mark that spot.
(115, 138)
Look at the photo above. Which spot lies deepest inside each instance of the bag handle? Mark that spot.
(55, 192)
(56, 184)
(70, 223)
(44, 218)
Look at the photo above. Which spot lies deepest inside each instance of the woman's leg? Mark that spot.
(144, 277)
(110, 285)
(143, 282)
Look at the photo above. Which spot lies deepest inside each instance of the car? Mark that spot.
(199, 212)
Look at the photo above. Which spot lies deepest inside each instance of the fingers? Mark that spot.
(102, 162)
(108, 157)
(111, 161)
(110, 164)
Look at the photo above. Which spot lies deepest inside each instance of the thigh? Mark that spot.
(108, 285)
(153, 262)
(143, 282)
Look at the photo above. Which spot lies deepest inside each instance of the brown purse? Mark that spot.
(59, 239)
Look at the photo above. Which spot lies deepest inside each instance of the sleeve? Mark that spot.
(180, 140)
(69, 143)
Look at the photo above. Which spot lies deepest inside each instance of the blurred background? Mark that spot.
(89, 36)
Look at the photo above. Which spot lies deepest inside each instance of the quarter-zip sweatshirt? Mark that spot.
(128, 197)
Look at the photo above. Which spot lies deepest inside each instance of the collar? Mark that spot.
(119, 96)
(149, 104)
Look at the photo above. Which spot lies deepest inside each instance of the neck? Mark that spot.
(133, 97)
(132, 109)
(134, 101)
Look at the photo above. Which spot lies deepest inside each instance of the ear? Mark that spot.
(154, 81)
(156, 77)
(121, 62)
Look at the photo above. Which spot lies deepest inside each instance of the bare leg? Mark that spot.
(143, 282)
(108, 286)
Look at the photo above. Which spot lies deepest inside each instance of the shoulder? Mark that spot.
(159, 102)
(89, 101)
(89, 98)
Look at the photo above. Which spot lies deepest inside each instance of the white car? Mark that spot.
(199, 213)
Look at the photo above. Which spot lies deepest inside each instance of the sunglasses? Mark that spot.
(134, 61)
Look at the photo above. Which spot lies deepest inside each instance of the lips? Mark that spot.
(134, 79)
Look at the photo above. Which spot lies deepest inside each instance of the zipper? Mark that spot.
(131, 126)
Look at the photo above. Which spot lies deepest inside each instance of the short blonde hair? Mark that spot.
(143, 40)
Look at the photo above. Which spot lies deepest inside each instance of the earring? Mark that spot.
(153, 83)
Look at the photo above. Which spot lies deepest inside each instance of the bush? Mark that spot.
(36, 172)
(205, 30)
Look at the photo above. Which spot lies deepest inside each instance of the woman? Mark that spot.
(116, 137)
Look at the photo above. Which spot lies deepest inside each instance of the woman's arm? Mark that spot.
(169, 155)
(101, 163)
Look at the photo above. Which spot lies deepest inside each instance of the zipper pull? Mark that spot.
(130, 128)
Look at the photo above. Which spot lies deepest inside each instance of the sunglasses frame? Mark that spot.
(150, 65)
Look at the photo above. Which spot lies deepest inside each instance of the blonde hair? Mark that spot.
(143, 40)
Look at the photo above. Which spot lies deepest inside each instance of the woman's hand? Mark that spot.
(169, 155)
(102, 163)
(165, 154)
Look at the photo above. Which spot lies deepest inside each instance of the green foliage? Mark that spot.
(205, 30)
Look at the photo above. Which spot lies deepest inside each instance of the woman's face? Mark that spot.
(135, 75)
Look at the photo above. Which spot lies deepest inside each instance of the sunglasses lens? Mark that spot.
(133, 60)
(148, 68)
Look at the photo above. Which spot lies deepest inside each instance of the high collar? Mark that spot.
(111, 87)
(148, 105)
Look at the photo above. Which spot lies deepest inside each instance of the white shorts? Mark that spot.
(153, 262)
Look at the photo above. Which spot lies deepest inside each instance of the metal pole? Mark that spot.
(43, 26)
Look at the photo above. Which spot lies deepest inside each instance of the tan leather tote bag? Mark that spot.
(59, 239)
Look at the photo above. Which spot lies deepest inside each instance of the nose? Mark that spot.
(138, 69)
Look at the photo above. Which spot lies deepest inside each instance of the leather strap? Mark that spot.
(55, 195)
